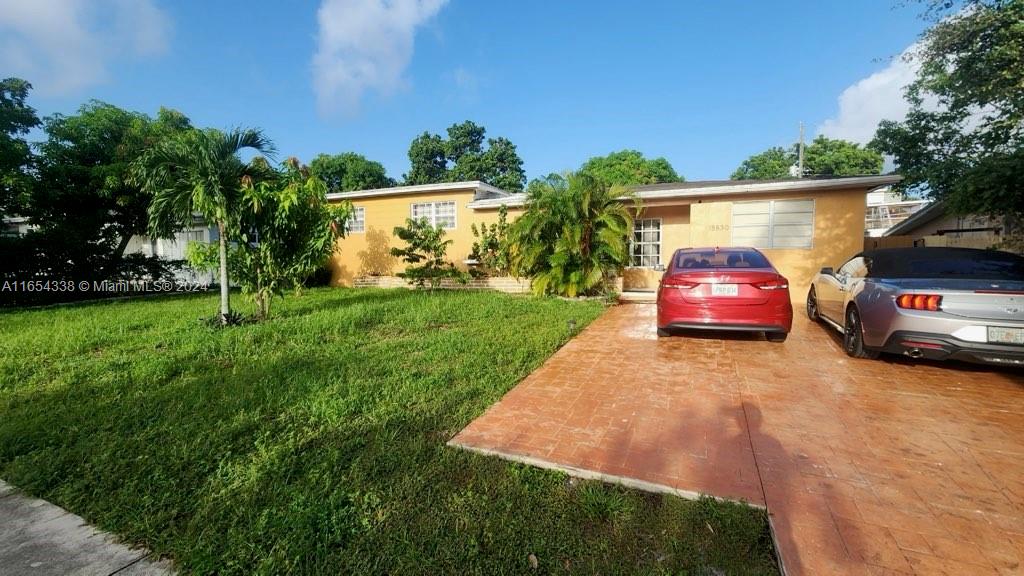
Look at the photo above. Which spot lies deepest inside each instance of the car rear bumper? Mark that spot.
(727, 327)
(946, 347)
(770, 317)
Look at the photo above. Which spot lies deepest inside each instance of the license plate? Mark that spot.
(725, 290)
(1005, 335)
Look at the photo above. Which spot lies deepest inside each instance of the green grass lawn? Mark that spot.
(315, 442)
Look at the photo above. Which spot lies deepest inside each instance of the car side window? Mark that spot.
(856, 267)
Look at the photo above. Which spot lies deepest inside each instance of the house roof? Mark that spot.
(711, 188)
(482, 190)
(919, 218)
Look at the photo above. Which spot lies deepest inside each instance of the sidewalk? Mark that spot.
(38, 538)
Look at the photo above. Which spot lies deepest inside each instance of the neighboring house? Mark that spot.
(801, 224)
(887, 209)
(933, 225)
(167, 249)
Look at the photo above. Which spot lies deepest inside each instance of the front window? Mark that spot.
(357, 221)
(645, 249)
(437, 214)
(773, 223)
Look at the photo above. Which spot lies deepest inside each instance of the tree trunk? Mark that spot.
(225, 287)
(115, 258)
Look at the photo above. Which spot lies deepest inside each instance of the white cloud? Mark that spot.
(364, 45)
(61, 46)
(870, 100)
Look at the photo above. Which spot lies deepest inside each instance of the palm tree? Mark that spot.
(200, 171)
(573, 236)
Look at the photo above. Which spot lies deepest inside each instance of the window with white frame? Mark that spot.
(773, 223)
(357, 221)
(645, 249)
(438, 214)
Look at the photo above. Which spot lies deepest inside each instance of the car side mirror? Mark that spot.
(827, 270)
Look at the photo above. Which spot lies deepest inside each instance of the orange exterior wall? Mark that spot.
(369, 253)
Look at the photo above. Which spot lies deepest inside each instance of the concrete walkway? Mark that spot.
(40, 539)
(865, 467)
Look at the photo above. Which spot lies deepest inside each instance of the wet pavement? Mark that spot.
(866, 467)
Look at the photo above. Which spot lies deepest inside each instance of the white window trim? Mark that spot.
(771, 222)
(661, 239)
(355, 210)
(433, 219)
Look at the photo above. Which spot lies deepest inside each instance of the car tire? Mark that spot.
(663, 332)
(776, 336)
(853, 337)
(812, 305)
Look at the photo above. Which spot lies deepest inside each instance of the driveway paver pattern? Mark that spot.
(866, 467)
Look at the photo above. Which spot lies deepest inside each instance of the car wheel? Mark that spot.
(812, 305)
(776, 336)
(662, 332)
(853, 337)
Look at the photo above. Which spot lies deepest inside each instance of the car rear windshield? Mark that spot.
(697, 259)
(947, 263)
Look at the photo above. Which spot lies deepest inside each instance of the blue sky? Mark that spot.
(704, 84)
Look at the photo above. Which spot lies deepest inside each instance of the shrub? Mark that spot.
(425, 254)
(572, 240)
(491, 248)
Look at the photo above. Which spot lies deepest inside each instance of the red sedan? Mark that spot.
(724, 289)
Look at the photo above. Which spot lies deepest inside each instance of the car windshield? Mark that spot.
(703, 259)
(947, 263)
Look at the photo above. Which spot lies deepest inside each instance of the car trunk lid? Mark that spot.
(728, 286)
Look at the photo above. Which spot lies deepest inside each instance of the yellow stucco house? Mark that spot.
(800, 224)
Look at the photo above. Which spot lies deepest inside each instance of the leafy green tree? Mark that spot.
(963, 139)
(349, 171)
(200, 171)
(629, 167)
(428, 159)
(490, 249)
(84, 190)
(16, 119)
(285, 231)
(572, 238)
(424, 254)
(771, 164)
(538, 184)
(831, 157)
(462, 156)
(822, 157)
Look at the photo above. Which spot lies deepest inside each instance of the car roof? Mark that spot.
(927, 252)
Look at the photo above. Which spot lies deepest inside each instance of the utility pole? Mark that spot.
(800, 153)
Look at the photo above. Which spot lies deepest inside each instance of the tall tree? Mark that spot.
(200, 171)
(629, 167)
(822, 157)
(349, 171)
(773, 163)
(462, 156)
(16, 119)
(963, 139)
(84, 188)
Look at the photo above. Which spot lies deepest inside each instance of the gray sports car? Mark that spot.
(933, 303)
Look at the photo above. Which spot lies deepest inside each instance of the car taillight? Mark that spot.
(777, 284)
(679, 284)
(930, 302)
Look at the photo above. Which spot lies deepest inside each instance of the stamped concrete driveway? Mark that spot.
(866, 467)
